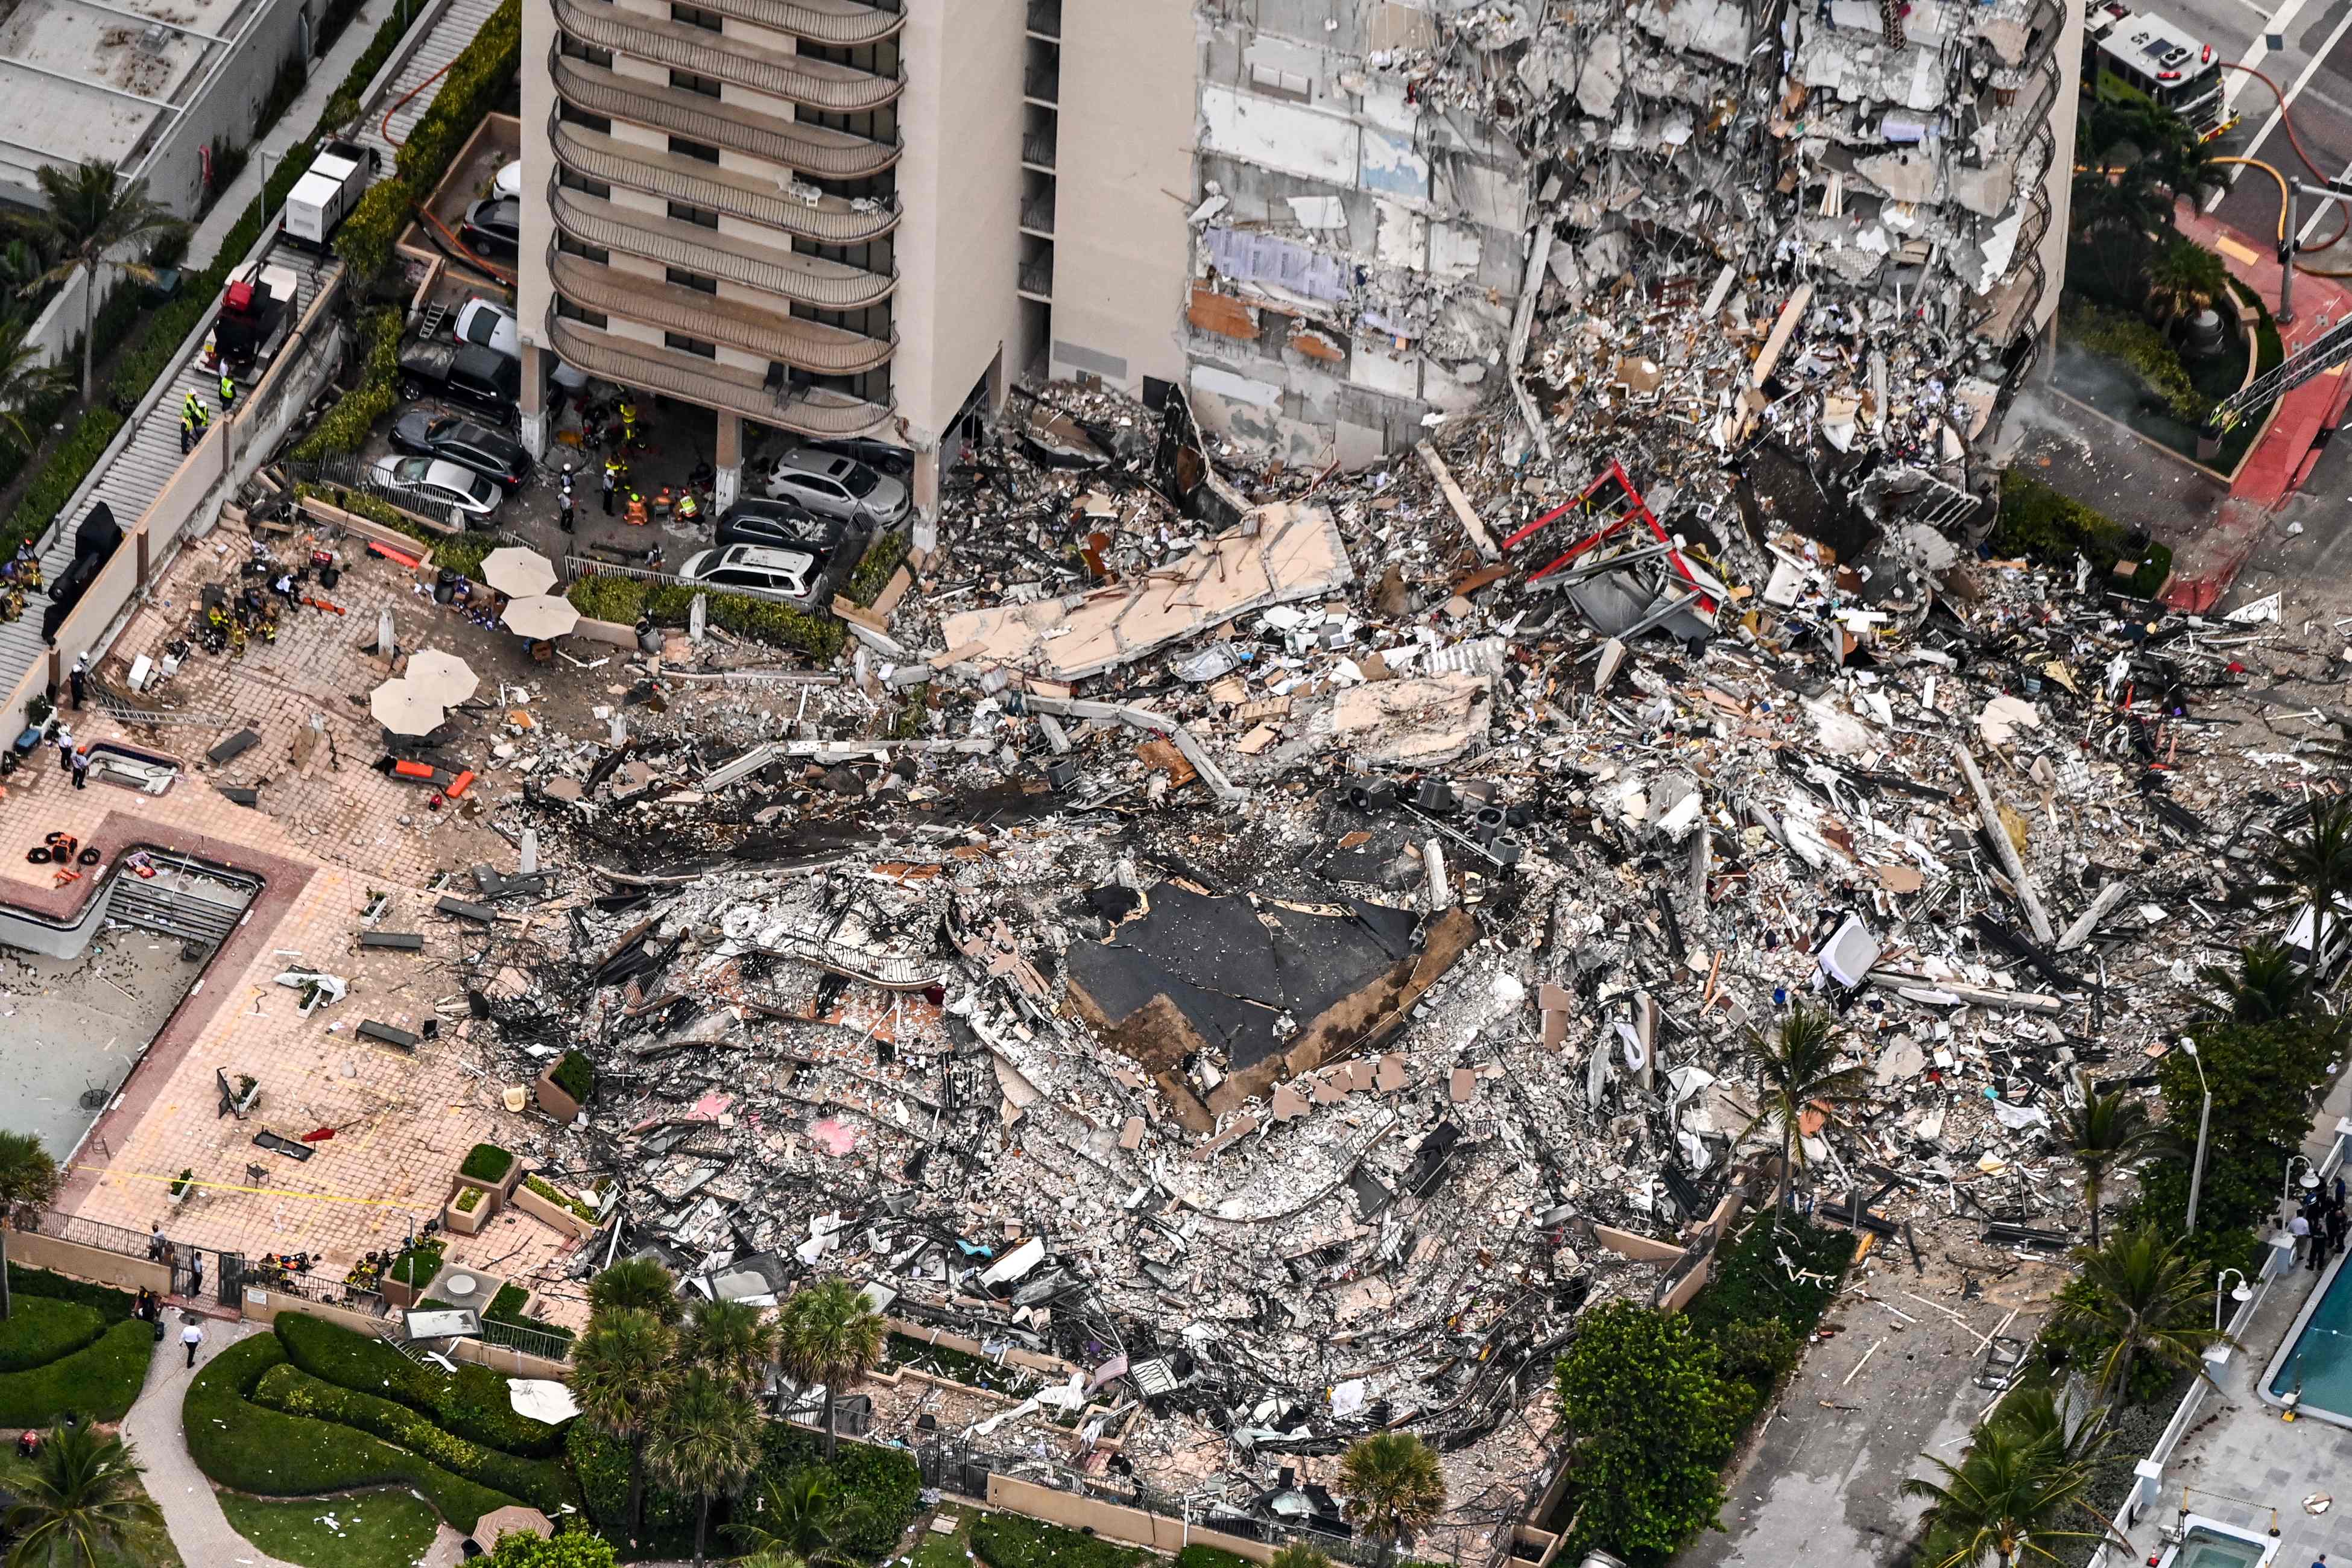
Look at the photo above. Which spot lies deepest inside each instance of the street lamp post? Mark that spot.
(2204, 1121)
(2242, 1294)
(2286, 1185)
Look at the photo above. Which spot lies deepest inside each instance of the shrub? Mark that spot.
(613, 599)
(417, 1266)
(626, 599)
(183, 1182)
(112, 1305)
(600, 1463)
(542, 1483)
(884, 1484)
(99, 1380)
(345, 428)
(471, 1403)
(574, 1074)
(559, 1198)
(469, 1199)
(383, 513)
(2039, 523)
(253, 1448)
(1211, 1557)
(487, 1163)
(2142, 347)
(1009, 1540)
(464, 553)
(876, 566)
(40, 1330)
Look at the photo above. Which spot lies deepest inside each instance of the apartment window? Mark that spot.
(571, 312)
(685, 344)
(686, 149)
(709, 21)
(708, 86)
(582, 118)
(581, 249)
(699, 215)
(583, 185)
(695, 280)
(577, 50)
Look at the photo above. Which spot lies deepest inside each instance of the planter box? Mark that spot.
(470, 1222)
(552, 1099)
(549, 1213)
(502, 1188)
(403, 1297)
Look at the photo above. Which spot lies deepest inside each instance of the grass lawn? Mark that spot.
(373, 1529)
(159, 1552)
(944, 1551)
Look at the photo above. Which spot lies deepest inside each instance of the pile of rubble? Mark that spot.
(1231, 985)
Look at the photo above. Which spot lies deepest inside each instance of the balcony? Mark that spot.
(674, 308)
(1043, 87)
(1037, 214)
(841, 23)
(811, 149)
(697, 381)
(805, 280)
(1038, 280)
(1046, 19)
(815, 84)
(1038, 151)
(673, 177)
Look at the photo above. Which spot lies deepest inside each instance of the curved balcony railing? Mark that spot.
(838, 22)
(810, 148)
(828, 220)
(2043, 33)
(811, 346)
(807, 280)
(697, 381)
(812, 83)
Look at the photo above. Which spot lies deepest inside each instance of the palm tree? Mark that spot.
(2006, 1497)
(2148, 1296)
(831, 1335)
(707, 1441)
(93, 214)
(2036, 1413)
(82, 1506)
(733, 1338)
(2269, 985)
(1298, 1555)
(2318, 863)
(638, 1284)
(1796, 1070)
(1393, 1486)
(24, 381)
(2108, 1134)
(2183, 278)
(801, 1516)
(28, 1180)
(621, 1377)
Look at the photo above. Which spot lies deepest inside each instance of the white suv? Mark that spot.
(839, 487)
(764, 569)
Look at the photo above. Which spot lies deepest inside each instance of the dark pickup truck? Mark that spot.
(466, 375)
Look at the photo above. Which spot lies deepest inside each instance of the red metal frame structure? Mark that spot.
(1631, 508)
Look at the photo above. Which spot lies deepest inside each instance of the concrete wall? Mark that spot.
(2060, 177)
(1124, 169)
(94, 1264)
(534, 292)
(959, 245)
(223, 108)
(1105, 1518)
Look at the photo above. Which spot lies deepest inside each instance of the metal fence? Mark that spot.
(529, 1340)
(83, 1232)
(324, 1288)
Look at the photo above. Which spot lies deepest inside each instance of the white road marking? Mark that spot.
(2239, 80)
(2278, 110)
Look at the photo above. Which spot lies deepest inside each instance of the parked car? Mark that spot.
(891, 461)
(493, 227)
(508, 184)
(437, 480)
(490, 325)
(757, 520)
(838, 487)
(464, 443)
(791, 574)
(471, 375)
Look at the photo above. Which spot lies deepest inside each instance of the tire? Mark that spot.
(410, 390)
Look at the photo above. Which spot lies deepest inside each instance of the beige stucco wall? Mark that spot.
(1125, 171)
(2060, 177)
(533, 293)
(959, 189)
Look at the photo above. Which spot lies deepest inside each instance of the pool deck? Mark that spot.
(2240, 1459)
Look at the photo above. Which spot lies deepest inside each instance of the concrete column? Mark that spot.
(924, 532)
(533, 433)
(140, 539)
(729, 460)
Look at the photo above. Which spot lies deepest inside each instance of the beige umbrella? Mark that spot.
(401, 709)
(441, 678)
(504, 1522)
(518, 573)
(543, 616)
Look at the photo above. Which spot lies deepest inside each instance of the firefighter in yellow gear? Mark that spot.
(635, 515)
(689, 509)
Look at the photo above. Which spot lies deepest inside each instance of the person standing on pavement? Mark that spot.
(2300, 1228)
(193, 1335)
(81, 768)
(612, 483)
(79, 676)
(227, 389)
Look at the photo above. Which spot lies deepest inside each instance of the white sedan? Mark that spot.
(432, 478)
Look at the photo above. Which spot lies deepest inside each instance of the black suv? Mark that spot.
(469, 374)
(493, 227)
(461, 441)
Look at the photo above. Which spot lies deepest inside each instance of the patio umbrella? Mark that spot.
(518, 573)
(442, 677)
(543, 616)
(502, 1521)
(401, 709)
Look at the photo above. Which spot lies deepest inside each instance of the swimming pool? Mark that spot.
(2206, 1544)
(2315, 1360)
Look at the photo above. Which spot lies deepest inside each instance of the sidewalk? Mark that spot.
(292, 127)
(197, 1526)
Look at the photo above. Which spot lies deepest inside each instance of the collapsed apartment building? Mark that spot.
(1405, 207)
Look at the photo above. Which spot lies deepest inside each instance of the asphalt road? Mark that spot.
(2312, 65)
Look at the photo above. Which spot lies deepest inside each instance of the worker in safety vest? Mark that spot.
(227, 389)
(628, 425)
(612, 482)
(689, 509)
(193, 409)
(635, 515)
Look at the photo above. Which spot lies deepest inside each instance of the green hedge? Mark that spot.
(626, 599)
(39, 1330)
(876, 567)
(471, 1403)
(600, 1464)
(2142, 348)
(541, 1483)
(476, 81)
(345, 428)
(1009, 1540)
(1211, 1557)
(253, 1448)
(114, 1306)
(2038, 522)
(575, 1074)
(487, 1163)
(99, 1380)
(884, 1485)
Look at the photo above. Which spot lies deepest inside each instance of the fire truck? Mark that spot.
(2127, 53)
